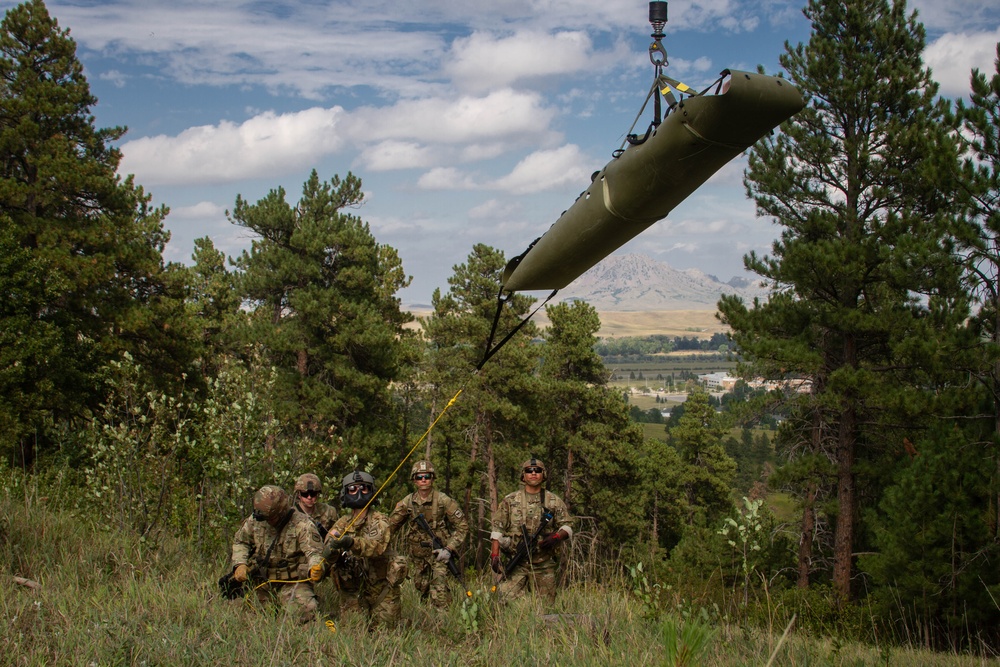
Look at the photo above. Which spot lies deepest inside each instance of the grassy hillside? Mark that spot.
(107, 598)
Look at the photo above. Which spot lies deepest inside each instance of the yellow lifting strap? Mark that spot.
(665, 83)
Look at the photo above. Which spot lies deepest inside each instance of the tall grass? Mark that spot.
(108, 598)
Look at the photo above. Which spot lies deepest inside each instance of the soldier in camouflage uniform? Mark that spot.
(428, 566)
(307, 491)
(368, 573)
(274, 549)
(525, 507)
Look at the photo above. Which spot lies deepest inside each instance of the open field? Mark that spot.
(689, 323)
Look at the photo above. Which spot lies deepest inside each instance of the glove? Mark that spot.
(495, 563)
(317, 572)
(342, 543)
(241, 573)
(552, 540)
(443, 555)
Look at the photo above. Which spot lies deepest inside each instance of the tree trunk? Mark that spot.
(808, 533)
(427, 447)
(843, 542)
(302, 362)
(656, 517)
(569, 477)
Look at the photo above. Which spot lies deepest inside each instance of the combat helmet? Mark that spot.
(534, 463)
(270, 504)
(364, 485)
(308, 482)
(422, 466)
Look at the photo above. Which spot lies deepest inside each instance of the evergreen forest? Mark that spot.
(152, 399)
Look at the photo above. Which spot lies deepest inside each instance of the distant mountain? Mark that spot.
(637, 282)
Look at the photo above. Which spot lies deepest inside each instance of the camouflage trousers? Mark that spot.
(539, 578)
(380, 602)
(299, 600)
(431, 579)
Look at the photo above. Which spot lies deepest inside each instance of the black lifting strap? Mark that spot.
(501, 300)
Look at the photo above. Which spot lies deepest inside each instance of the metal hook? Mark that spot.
(658, 54)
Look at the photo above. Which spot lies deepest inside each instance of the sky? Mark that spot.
(467, 122)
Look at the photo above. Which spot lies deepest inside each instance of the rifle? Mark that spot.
(437, 544)
(319, 526)
(527, 544)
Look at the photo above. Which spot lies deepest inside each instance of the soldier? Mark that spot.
(429, 566)
(276, 546)
(525, 508)
(369, 574)
(307, 491)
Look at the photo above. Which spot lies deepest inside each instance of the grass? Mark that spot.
(107, 598)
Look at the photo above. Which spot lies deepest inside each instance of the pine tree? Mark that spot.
(489, 430)
(323, 294)
(586, 429)
(707, 472)
(862, 280)
(980, 131)
(90, 280)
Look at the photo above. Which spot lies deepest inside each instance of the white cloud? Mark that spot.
(953, 56)
(265, 145)
(547, 170)
(483, 61)
(954, 15)
(511, 115)
(493, 209)
(389, 155)
(446, 178)
(116, 78)
(201, 210)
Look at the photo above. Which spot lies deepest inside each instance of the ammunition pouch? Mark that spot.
(396, 571)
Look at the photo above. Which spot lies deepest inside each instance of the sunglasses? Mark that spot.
(534, 470)
(422, 476)
(259, 516)
(356, 488)
(309, 494)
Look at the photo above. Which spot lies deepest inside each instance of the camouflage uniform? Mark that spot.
(370, 574)
(525, 509)
(430, 576)
(323, 515)
(296, 550)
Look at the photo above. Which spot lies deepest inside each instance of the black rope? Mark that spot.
(501, 300)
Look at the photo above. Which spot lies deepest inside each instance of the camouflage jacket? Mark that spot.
(323, 515)
(521, 508)
(369, 558)
(443, 515)
(298, 547)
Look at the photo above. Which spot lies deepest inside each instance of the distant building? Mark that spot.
(718, 381)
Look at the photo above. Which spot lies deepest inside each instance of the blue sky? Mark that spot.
(467, 121)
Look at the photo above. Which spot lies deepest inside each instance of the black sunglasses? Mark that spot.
(534, 470)
(423, 475)
(309, 494)
(259, 516)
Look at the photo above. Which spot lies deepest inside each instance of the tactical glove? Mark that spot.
(241, 573)
(317, 572)
(552, 540)
(443, 555)
(342, 543)
(495, 563)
